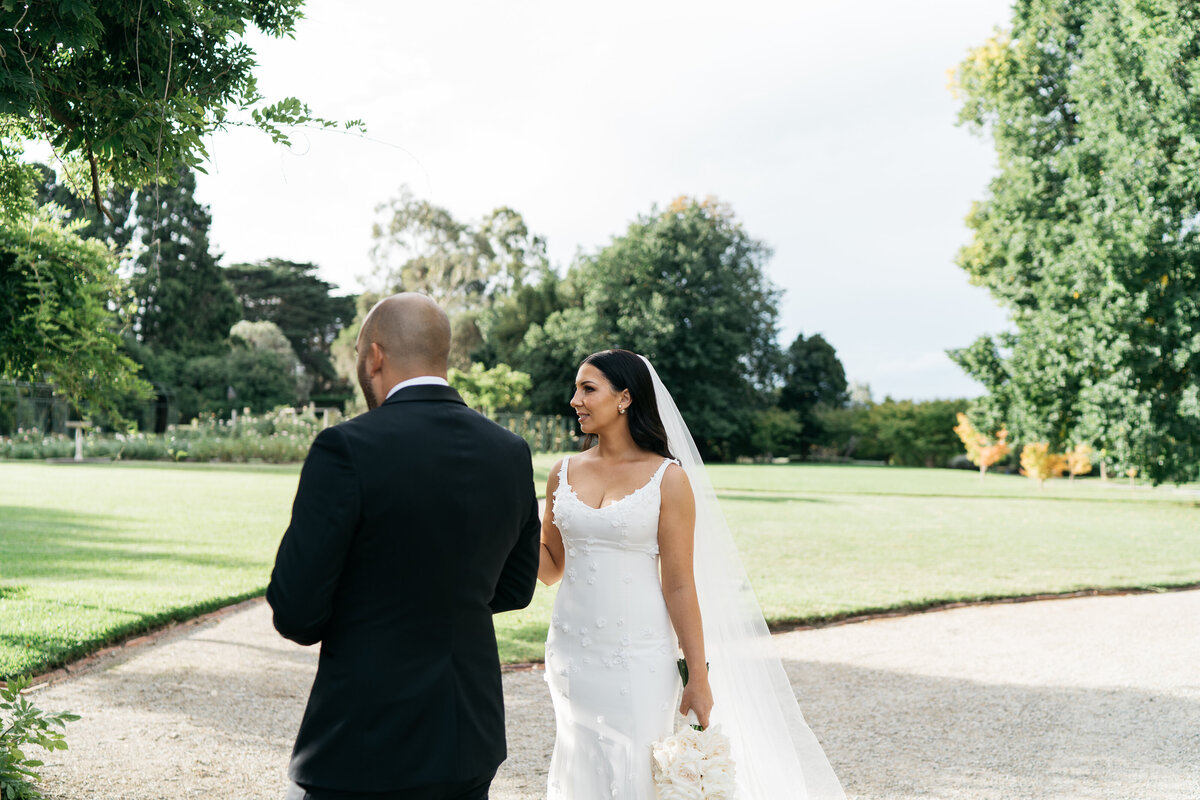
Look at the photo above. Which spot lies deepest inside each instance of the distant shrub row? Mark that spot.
(276, 438)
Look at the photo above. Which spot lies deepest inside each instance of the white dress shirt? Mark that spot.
(423, 380)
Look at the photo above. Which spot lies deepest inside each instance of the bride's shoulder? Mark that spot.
(675, 478)
(584, 458)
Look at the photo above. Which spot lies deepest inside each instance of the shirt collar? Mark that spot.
(423, 380)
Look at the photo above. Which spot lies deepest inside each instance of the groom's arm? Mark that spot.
(518, 579)
(313, 552)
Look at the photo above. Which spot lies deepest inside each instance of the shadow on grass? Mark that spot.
(747, 493)
(756, 497)
(287, 467)
(68, 544)
(785, 624)
(42, 652)
(897, 734)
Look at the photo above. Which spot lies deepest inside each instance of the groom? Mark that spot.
(412, 525)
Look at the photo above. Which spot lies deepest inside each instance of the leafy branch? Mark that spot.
(23, 724)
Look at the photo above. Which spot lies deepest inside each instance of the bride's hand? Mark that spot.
(697, 696)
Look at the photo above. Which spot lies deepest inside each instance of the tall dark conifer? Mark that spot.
(184, 303)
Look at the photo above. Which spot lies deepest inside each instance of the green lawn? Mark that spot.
(91, 553)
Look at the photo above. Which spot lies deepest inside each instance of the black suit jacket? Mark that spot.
(412, 525)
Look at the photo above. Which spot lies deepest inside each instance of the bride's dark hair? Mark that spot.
(626, 370)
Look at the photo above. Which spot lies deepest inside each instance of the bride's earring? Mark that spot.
(620, 410)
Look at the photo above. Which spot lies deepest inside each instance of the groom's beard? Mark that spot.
(365, 384)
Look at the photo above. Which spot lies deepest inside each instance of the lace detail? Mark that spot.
(568, 507)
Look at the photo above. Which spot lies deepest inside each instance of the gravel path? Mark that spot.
(1087, 699)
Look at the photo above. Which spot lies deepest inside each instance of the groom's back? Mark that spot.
(434, 518)
(444, 491)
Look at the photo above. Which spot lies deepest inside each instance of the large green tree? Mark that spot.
(133, 87)
(125, 91)
(1089, 233)
(303, 305)
(685, 287)
(813, 380)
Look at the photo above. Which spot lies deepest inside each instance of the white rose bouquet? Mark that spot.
(694, 764)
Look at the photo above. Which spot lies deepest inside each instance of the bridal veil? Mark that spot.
(776, 754)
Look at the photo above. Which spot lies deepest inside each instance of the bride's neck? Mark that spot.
(617, 446)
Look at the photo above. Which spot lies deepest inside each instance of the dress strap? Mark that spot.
(662, 468)
(562, 472)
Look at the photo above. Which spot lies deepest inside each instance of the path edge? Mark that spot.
(129, 647)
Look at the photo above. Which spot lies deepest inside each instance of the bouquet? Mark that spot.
(694, 764)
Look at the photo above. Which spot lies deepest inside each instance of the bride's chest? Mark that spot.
(629, 523)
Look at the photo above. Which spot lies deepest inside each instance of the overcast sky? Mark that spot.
(826, 125)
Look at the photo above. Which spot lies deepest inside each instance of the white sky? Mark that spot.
(826, 125)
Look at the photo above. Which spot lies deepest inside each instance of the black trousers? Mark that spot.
(471, 789)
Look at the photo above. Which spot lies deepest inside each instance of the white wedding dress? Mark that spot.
(611, 651)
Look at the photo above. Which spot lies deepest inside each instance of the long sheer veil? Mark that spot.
(776, 753)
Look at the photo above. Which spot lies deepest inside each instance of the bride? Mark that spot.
(648, 565)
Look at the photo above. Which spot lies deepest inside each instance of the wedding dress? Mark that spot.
(611, 650)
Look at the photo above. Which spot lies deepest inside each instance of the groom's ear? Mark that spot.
(374, 358)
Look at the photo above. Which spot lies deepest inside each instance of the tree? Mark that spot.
(466, 268)
(1040, 463)
(910, 433)
(982, 451)
(117, 231)
(813, 378)
(184, 303)
(776, 432)
(125, 92)
(266, 337)
(1088, 233)
(56, 289)
(243, 377)
(685, 287)
(500, 388)
(304, 307)
(133, 88)
(421, 247)
(503, 326)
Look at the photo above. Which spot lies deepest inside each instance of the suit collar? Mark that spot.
(424, 392)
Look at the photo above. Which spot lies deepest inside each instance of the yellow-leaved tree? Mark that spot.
(982, 451)
(1039, 463)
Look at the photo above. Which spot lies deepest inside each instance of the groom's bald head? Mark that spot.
(413, 332)
(404, 336)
